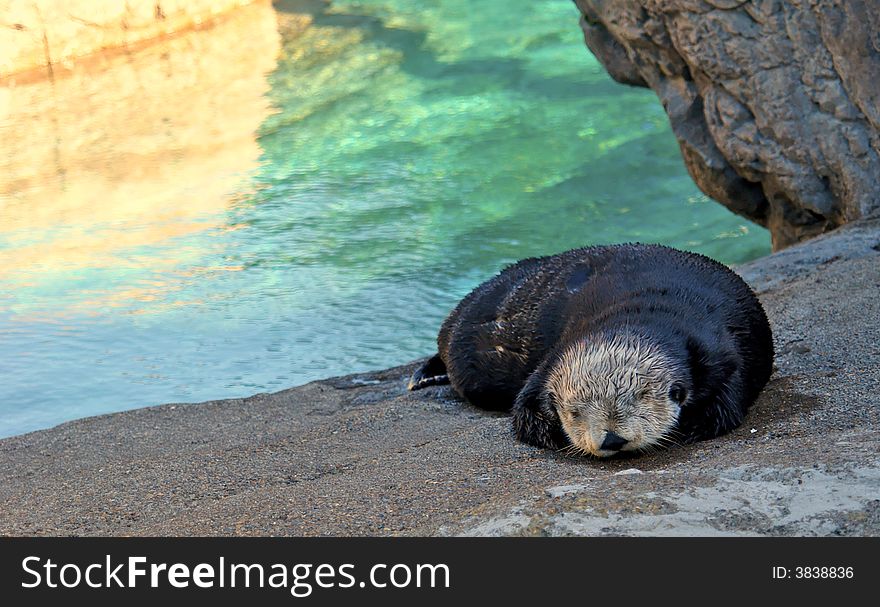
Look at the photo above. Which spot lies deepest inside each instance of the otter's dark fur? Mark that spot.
(498, 345)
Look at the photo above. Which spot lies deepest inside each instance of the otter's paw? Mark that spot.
(432, 373)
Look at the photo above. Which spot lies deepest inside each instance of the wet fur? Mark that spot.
(499, 346)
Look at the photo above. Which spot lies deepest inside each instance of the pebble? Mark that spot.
(628, 471)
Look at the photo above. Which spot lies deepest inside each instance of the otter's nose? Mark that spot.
(613, 442)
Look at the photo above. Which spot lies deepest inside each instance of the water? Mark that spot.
(194, 222)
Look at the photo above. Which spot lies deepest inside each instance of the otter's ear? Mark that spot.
(535, 419)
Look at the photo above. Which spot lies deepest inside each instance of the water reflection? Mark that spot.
(106, 167)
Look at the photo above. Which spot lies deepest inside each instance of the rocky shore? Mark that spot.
(359, 455)
(776, 118)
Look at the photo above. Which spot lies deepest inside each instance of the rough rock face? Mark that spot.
(776, 105)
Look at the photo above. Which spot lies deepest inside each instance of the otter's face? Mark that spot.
(620, 394)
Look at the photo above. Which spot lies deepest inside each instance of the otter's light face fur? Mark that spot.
(621, 388)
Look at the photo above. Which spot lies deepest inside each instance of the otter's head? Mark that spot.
(620, 393)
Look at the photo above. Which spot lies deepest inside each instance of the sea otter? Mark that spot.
(608, 348)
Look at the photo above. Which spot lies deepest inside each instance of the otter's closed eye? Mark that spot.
(678, 393)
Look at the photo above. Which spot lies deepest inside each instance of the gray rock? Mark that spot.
(776, 105)
(360, 455)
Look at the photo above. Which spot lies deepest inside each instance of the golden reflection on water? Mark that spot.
(128, 151)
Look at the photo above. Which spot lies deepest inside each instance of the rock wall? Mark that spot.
(44, 33)
(776, 105)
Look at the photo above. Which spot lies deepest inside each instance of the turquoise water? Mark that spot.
(412, 150)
